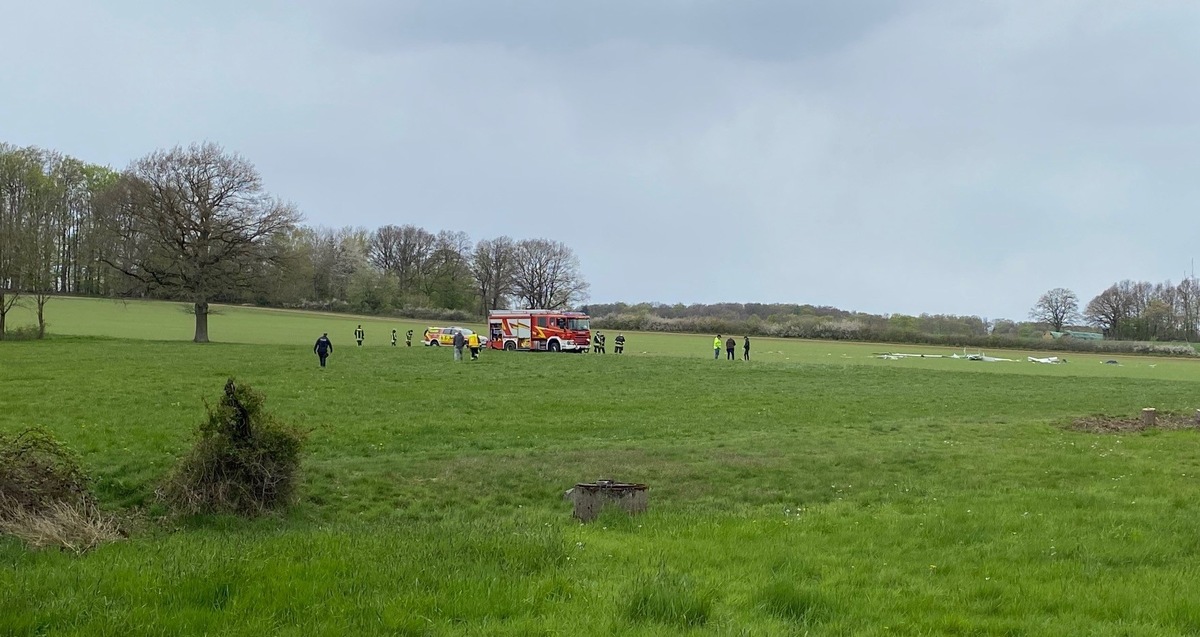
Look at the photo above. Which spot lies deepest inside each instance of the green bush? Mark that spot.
(45, 497)
(36, 471)
(244, 461)
(23, 333)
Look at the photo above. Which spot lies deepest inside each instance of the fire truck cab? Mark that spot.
(539, 330)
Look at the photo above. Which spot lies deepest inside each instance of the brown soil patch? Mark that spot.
(1102, 424)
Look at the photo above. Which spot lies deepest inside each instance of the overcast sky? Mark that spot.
(882, 156)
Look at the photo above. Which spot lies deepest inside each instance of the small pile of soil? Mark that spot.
(1101, 424)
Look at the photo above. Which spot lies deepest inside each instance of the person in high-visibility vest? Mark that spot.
(359, 334)
(717, 347)
(473, 343)
(619, 344)
(596, 343)
(408, 339)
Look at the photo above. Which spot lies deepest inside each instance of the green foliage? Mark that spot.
(38, 471)
(22, 333)
(45, 499)
(244, 461)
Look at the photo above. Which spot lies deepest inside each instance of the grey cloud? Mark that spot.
(888, 157)
(759, 29)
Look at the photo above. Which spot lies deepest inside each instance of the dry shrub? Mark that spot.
(71, 526)
(244, 461)
(45, 498)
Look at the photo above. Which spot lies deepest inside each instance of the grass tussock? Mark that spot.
(670, 599)
(45, 498)
(244, 462)
(71, 526)
(784, 600)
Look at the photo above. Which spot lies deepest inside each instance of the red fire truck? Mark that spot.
(539, 330)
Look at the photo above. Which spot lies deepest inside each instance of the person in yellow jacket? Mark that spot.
(717, 347)
(473, 343)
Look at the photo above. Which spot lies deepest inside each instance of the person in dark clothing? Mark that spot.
(730, 345)
(596, 343)
(459, 342)
(408, 339)
(393, 338)
(359, 334)
(323, 348)
(746, 349)
(619, 344)
(602, 339)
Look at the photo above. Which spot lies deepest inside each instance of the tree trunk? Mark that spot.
(3, 315)
(42, 299)
(201, 308)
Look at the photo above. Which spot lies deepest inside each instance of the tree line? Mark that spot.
(196, 224)
(1127, 313)
(1128, 310)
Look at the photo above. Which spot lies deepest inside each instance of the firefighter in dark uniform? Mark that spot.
(619, 344)
(323, 348)
(596, 343)
(408, 339)
(602, 339)
(393, 338)
(359, 334)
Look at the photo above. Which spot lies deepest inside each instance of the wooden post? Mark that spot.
(1148, 416)
(591, 497)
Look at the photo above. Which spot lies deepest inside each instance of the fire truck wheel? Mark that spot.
(553, 346)
(510, 346)
(434, 343)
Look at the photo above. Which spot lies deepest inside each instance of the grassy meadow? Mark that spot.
(815, 490)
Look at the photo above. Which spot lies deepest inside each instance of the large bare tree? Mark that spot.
(1056, 308)
(492, 265)
(1111, 309)
(546, 274)
(197, 224)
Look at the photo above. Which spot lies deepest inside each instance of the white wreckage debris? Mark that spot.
(1053, 360)
(895, 356)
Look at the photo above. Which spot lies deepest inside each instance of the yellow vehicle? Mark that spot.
(436, 336)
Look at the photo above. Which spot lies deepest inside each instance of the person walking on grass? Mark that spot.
(323, 348)
(596, 343)
(602, 339)
(473, 343)
(746, 349)
(730, 345)
(459, 342)
(408, 338)
(393, 338)
(717, 348)
(619, 344)
(359, 334)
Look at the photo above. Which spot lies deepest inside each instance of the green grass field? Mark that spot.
(815, 490)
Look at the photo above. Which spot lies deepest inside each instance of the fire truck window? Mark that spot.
(541, 321)
(561, 322)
